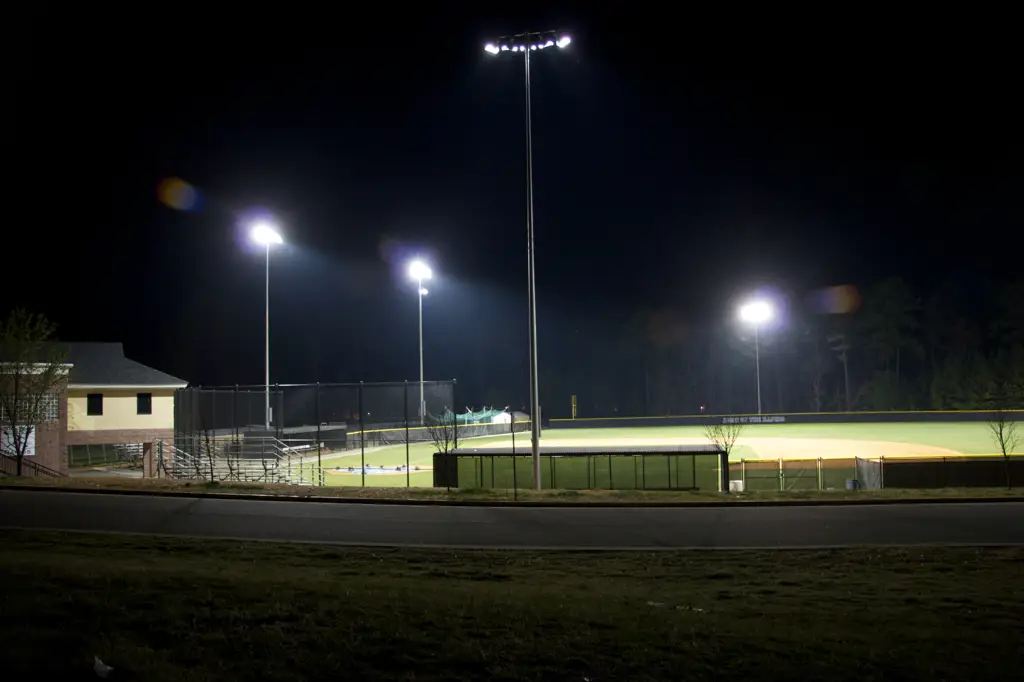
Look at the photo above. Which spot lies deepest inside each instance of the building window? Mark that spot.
(27, 408)
(94, 404)
(144, 403)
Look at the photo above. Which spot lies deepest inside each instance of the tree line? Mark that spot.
(893, 349)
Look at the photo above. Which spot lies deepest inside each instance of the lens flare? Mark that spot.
(838, 300)
(177, 194)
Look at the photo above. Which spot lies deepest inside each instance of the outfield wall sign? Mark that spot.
(755, 419)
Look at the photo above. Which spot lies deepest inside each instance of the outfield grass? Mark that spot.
(964, 437)
(184, 610)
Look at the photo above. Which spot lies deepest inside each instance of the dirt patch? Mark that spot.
(772, 448)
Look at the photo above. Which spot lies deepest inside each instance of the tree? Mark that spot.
(723, 436)
(841, 347)
(1006, 325)
(32, 374)
(441, 429)
(891, 325)
(1004, 432)
(815, 364)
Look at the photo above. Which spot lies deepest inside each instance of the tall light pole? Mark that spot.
(266, 235)
(419, 271)
(526, 43)
(756, 313)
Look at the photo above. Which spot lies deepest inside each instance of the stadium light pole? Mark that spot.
(526, 43)
(756, 313)
(266, 235)
(419, 271)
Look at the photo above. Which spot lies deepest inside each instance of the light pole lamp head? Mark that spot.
(529, 41)
(264, 234)
(756, 312)
(419, 271)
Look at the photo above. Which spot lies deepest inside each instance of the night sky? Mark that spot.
(679, 161)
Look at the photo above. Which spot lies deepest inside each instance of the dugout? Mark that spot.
(613, 467)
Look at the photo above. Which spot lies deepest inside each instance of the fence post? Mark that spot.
(881, 471)
(643, 470)
(743, 473)
(782, 476)
(362, 437)
(515, 476)
(213, 413)
(195, 424)
(668, 469)
(456, 417)
(319, 419)
(408, 480)
(821, 482)
(280, 412)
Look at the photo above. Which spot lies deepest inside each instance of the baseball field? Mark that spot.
(386, 465)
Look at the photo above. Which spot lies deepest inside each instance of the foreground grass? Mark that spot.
(171, 609)
(501, 495)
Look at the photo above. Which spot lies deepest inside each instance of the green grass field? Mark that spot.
(962, 437)
(163, 609)
(790, 442)
(420, 454)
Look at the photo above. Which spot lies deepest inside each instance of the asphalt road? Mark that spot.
(520, 527)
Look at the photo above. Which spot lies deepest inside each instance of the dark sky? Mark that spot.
(679, 160)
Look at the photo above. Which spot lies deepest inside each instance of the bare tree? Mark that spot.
(33, 372)
(1004, 432)
(441, 429)
(723, 436)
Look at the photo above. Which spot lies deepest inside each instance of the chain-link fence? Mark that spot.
(282, 410)
(964, 471)
(763, 475)
(365, 434)
(949, 471)
(612, 471)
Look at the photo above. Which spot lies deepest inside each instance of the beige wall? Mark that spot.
(119, 410)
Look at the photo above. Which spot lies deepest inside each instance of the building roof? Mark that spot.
(104, 364)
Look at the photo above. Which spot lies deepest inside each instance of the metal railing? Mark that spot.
(104, 454)
(253, 459)
(9, 467)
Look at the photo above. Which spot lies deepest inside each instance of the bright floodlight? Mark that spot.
(423, 291)
(491, 47)
(264, 234)
(756, 312)
(419, 271)
(563, 41)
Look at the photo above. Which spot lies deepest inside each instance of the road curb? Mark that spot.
(256, 497)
